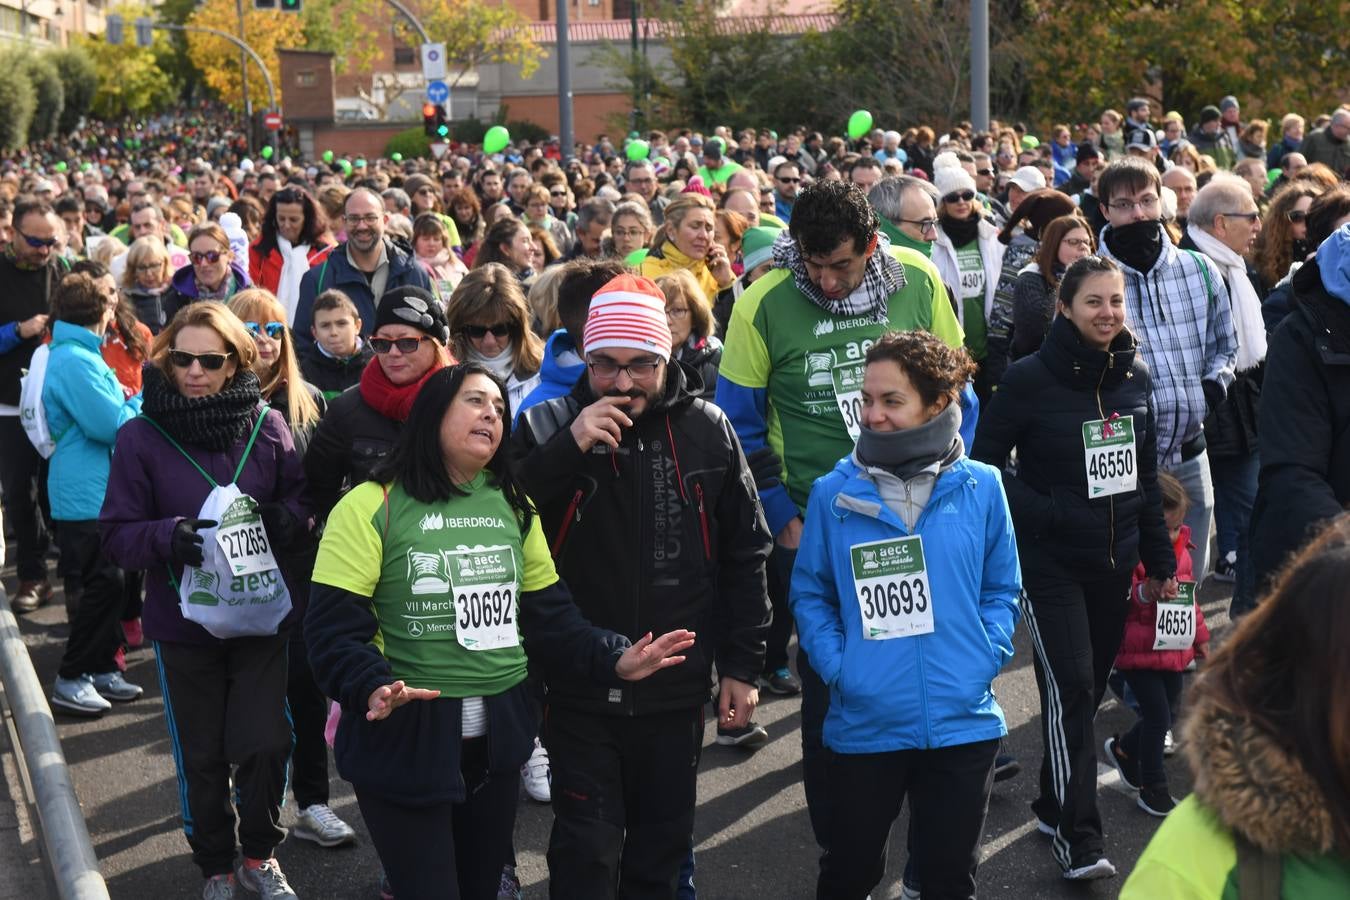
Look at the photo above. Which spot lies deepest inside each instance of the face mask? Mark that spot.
(1138, 244)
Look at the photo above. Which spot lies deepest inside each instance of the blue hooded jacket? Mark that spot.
(924, 691)
(555, 379)
(1333, 260)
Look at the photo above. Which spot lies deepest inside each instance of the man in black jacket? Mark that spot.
(654, 522)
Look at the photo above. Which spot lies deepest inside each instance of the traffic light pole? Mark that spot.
(267, 76)
(243, 77)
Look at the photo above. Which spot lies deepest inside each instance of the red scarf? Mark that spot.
(393, 401)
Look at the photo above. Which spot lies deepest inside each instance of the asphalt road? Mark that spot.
(753, 838)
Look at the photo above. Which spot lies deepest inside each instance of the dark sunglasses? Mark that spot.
(274, 329)
(959, 196)
(1297, 216)
(405, 345)
(988, 173)
(478, 332)
(1250, 217)
(788, 180)
(210, 256)
(36, 242)
(181, 359)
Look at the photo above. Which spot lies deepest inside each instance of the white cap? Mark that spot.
(1028, 178)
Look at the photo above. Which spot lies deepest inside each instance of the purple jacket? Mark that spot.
(151, 487)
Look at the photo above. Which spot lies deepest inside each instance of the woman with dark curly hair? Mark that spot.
(1284, 232)
(467, 212)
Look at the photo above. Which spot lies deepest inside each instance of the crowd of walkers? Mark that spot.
(499, 471)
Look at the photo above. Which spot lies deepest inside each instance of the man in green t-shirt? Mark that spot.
(791, 380)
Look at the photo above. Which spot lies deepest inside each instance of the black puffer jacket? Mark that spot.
(1040, 409)
(329, 374)
(1305, 424)
(350, 439)
(666, 532)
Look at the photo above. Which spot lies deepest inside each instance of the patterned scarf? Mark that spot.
(883, 276)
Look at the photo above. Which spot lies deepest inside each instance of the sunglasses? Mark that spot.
(478, 332)
(36, 242)
(959, 197)
(210, 256)
(181, 359)
(789, 180)
(1297, 216)
(274, 330)
(1250, 217)
(988, 173)
(405, 345)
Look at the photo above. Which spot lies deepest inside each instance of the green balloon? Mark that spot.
(396, 156)
(496, 139)
(267, 152)
(859, 124)
(328, 156)
(637, 150)
(346, 166)
(1030, 142)
(1273, 176)
(85, 167)
(61, 166)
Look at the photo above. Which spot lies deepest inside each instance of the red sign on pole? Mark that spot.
(272, 121)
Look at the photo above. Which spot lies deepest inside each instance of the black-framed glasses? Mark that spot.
(181, 359)
(1079, 243)
(1297, 216)
(36, 242)
(405, 345)
(274, 330)
(478, 332)
(676, 312)
(1148, 204)
(557, 194)
(608, 368)
(924, 224)
(368, 219)
(1250, 217)
(959, 197)
(988, 173)
(210, 256)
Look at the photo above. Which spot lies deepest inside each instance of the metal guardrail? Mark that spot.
(66, 847)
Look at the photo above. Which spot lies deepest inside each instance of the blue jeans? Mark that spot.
(684, 888)
(1234, 493)
(1195, 478)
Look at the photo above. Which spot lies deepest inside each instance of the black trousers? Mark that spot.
(1076, 627)
(624, 792)
(225, 705)
(948, 791)
(309, 714)
(22, 476)
(1157, 693)
(779, 575)
(815, 755)
(447, 851)
(96, 587)
(134, 601)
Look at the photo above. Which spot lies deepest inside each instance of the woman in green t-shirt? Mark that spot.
(414, 627)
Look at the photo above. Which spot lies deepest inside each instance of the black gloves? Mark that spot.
(185, 546)
(1214, 396)
(281, 524)
(766, 468)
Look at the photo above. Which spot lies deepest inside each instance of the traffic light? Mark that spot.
(429, 119)
(114, 30)
(442, 127)
(290, 6)
(145, 35)
(265, 4)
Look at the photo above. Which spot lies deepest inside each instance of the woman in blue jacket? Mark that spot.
(905, 594)
(85, 405)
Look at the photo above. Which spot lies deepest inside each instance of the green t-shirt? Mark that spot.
(971, 266)
(415, 560)
(721, 173)
(811, 361)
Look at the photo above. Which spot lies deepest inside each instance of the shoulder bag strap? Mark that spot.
(179, 447)
(248, 448)
(1204, 271)
(1259, 872)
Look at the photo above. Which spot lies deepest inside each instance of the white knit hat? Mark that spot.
(951, 178)
(628, 312)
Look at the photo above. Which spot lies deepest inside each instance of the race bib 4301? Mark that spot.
(891, 581)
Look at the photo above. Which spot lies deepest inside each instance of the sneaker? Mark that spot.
(909, 893)
(1155, 800)
(320, 825)
(114, 687)
(509, 889)
(218, 887)
(537, 774)
(1225, 567)
(1006, 766)
(386, 890)
(1128, 768)
(267, 880)
(1102, 868)
(78, 695)
(135, 636)
(782, 682)
(749, 737)
(31, 595)
(1169, 745)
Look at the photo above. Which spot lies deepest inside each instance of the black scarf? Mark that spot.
(908, 452)
(215, 422)
(961, 231)
(1138, 244)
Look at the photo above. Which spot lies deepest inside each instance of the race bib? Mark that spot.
(1109, 456)
(1175, 626)
(891, 581)
(243, 539)
(848, 379)
(485, 582)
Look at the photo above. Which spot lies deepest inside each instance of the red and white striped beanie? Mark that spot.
(629, 312)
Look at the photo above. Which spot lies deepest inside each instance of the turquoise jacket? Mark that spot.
(928, 690)
(85, 405)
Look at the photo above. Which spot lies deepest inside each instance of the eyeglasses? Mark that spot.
(1148, 204)
(677, 312)
(149, 267)
(1250, 217)
(959, 197)
(181, 359)
(557, 193)
(405, 345)
(478, 332)
(1297, 216)
(274, 330)
(924, 224)
(638, 371)
(1080, 243)
(210, 256)
(368, 219)
(628, 233)
(988, 173)
(34, 242)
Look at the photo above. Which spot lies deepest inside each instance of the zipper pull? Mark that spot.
(639, 445)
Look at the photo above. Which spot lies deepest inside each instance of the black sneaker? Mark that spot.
(1155, 800)
(1128, 768)
(1006, 766)
(749, 737)
(1225, 567)
(782, 682)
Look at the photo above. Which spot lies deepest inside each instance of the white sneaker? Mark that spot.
(112, 686)
(320, 825)
(267, 881)
(78, 695)
(1169, 745)
(1102, 868)
(537, 774)
(218, 887)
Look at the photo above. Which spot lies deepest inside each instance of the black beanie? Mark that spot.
(414, 306)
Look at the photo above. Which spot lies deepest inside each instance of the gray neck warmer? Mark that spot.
(906, 453)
